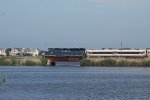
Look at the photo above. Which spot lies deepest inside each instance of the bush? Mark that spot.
(123, 63)
(85, 62)
(108, 62)
(13, 61)
(146, 63)
(30, 63)
(43, 62)
(133, 63)
(4, 62)
(113, 62)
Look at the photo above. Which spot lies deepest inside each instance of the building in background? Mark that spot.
(2, 52)
(24, 52)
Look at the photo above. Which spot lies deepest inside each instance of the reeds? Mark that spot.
(22, 61)
(142, 62)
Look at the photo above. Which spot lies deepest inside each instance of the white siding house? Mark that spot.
(15, 51)
(33, 52)
(2, 52)
(24, 51)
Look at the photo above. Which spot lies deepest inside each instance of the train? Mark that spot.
(77, 54)
(95, 53)
(65, 52)
(64, 55)
(127, 53)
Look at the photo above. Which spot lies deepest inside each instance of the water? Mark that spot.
(75, 83)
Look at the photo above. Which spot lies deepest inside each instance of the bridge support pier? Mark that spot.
(53, 64)
(50, 63)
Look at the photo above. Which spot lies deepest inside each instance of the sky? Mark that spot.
(75, 23)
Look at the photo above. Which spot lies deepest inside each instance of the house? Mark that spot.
(36, 52)
(33, 52)
(2, 52)
(24, 51)
(16, 51)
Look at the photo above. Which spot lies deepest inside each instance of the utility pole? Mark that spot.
(44, 48)
(121, 48)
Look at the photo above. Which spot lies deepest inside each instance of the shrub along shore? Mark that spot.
(39, 61)
(128, 62)
(22, 61)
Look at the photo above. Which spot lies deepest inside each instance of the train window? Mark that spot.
(115, 52)
(130, 52)
(100, 52)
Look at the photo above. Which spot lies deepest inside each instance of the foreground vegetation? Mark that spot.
(137, 62)
(22, 61)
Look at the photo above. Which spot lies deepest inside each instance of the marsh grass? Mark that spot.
(22, 61)
(137, 62)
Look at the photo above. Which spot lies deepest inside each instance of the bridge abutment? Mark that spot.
(50, 63)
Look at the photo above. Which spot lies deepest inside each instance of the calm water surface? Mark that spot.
(75, 83)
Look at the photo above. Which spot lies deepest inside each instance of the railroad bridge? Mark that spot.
(64, 55)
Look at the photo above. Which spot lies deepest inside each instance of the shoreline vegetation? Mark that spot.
(22, 61)
(91, 62)
(118, 62)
